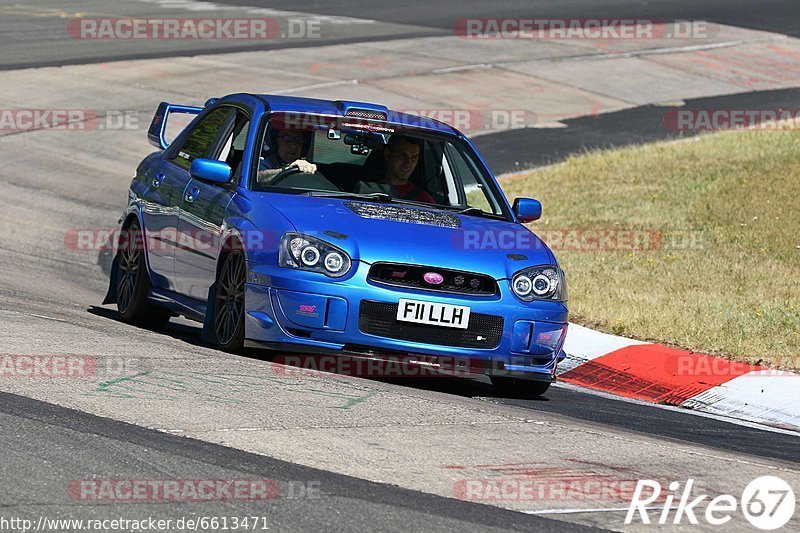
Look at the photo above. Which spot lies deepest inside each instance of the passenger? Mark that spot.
(402, 155)
(288, 148)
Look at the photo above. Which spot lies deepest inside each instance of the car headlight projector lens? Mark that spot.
(522, 285)
(309, 256)
(334, 262)
(541, 285)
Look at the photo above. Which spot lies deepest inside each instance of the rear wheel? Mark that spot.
(133, 283)
(229, 303)
(519, 388)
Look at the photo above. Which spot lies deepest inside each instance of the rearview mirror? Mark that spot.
(210, 170)
(371, 141)
(527, 209)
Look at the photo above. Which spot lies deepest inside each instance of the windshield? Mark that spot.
(405, 166)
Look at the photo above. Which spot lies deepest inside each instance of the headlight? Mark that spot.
(309, 253)
(540, 283)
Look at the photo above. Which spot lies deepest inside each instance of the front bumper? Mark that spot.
(297, 311)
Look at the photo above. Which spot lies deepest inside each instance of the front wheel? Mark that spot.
(519, 388)
(229, 303)
(133, 283)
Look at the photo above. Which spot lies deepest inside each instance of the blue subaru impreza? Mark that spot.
(339, 228)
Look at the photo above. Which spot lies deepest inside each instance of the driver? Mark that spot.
(291, 149)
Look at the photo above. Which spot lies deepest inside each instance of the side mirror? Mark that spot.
(210, 170)
(527, 209)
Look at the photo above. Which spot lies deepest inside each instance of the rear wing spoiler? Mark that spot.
(158, 126)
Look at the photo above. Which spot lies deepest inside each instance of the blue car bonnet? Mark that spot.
(396, 233)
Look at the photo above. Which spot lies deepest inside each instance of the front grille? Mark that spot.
(405, 214)
(379, 318)
(414, 276)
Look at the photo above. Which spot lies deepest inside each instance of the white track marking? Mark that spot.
(48, 317)
(647, 51)
(590, 344)
(684, 409)
(316, 86)
(573, 511)
(770, 395)
(210, 7)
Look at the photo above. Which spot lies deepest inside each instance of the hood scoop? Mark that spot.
(404, 214)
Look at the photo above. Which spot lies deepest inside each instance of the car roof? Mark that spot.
(299, 104)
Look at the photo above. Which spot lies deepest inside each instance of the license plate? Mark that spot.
(451, 316)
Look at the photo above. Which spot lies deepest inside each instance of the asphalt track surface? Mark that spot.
(36, 35)
(637, 125)
(674, 424)
(39, 435)
(779, 16)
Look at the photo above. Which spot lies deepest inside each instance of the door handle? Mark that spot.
(157, 180)
(191, 194)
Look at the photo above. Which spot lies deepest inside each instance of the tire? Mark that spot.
(519, 388)
(229, 303)
(133, 282)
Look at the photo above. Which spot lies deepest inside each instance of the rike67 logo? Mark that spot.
(767, 502)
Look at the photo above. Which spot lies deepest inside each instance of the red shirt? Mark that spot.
(422, 196)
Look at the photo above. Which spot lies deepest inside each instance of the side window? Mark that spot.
(200, 141)
(232, 147)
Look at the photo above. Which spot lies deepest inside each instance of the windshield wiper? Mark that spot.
(382, 197)
(477, 211)
(374, 196)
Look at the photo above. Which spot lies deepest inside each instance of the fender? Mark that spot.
(134, 211)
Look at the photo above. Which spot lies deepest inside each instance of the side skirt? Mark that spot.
(178, 304)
